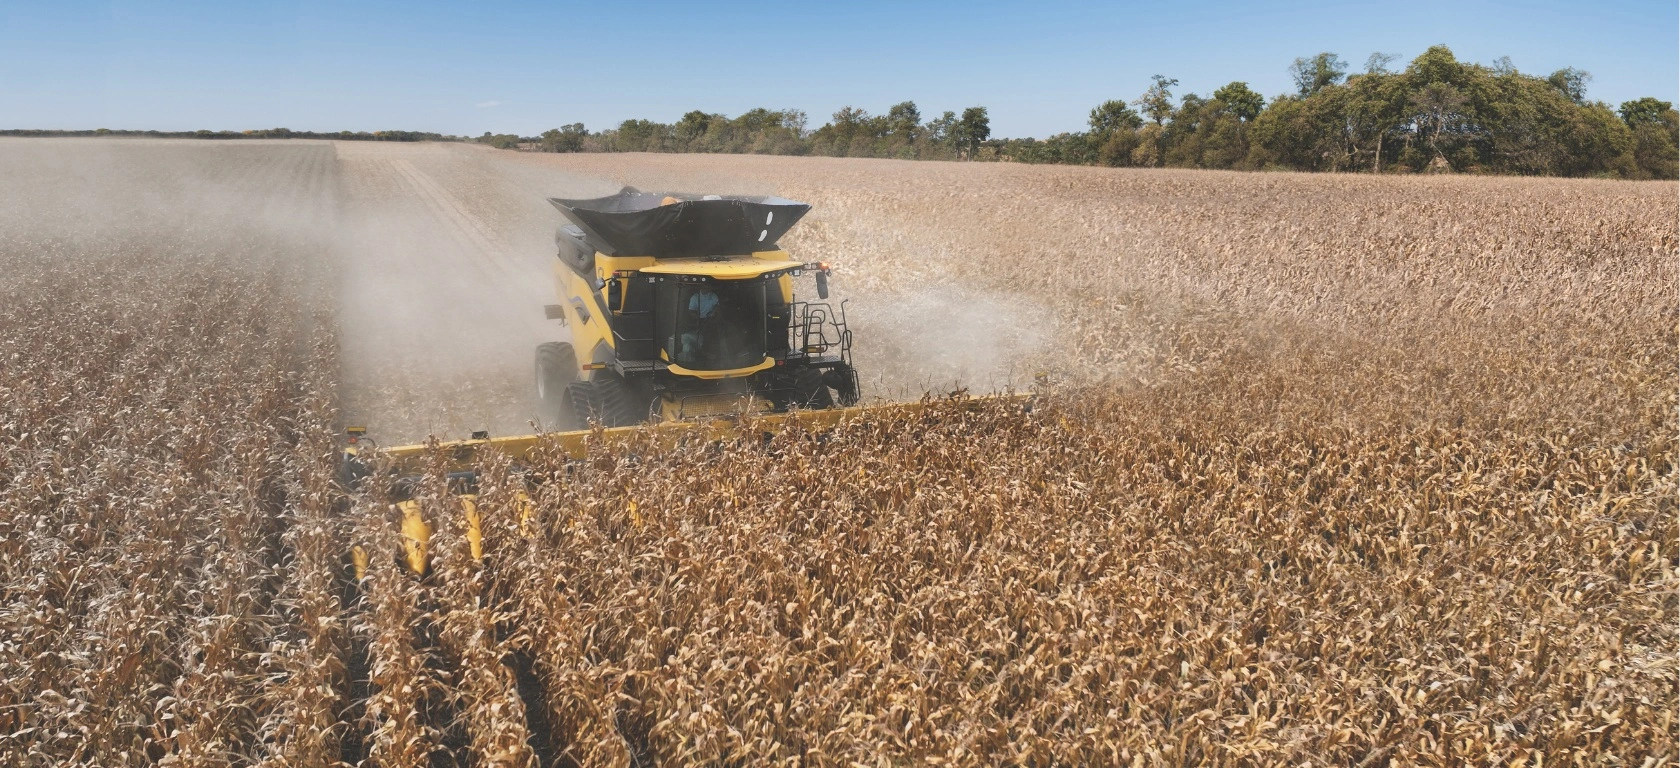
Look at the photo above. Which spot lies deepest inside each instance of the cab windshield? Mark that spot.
(716, 325)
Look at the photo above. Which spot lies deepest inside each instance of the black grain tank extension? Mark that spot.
(673, 225)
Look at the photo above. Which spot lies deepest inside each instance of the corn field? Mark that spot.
(1319, 470)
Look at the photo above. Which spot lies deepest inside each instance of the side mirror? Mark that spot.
(822, 284)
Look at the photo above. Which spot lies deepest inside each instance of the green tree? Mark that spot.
(638, 136)
(939, 129)
(974, 127)
(1111, 116)
(1522, 118)
(1115, 150)
(1221, 138)
(566, 138)
(1438, 113)
(1313, 74)
(1243, 102)
(938, 133)
(1441, 99)
(1157, 100)
(904, 119)
(1437, 65)
(1220, 128)
(1182, 137)
(1203, 133)
(1656, 148)
(1571, 82)
(848, 123)
(1233, 108)
(692, 127)
(1376, 109)
(1656, 137)
(1377, 63)
(1644, 110)
(1146, 152)
(497, 140)
(902, 131)
(1282, 136)
(795, 120)
(1112, 138)
(1595, 142)
(1068, 148)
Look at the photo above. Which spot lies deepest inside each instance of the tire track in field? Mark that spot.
(440, 315)
(483, 249)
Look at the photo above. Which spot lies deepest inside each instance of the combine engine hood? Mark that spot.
(672, 225)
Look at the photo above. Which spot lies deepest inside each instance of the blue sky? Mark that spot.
(524, 67)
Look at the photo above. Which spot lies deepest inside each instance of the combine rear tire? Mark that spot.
(557, 370)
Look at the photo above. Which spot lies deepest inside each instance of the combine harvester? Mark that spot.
(683, 320)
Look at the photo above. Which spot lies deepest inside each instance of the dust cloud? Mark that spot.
(922, 323)
(81, 212)
(446, 268)
(943, 339)
(99, 192)
(434, 262)
(448, 263)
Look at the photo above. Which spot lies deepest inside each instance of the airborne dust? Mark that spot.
(446, 254)
(438, 260)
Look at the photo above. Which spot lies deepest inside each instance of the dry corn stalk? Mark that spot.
(1350, 470)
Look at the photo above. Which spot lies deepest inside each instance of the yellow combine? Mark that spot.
(683, 316)
(683, 306)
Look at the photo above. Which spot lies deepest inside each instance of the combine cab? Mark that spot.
(682, 306)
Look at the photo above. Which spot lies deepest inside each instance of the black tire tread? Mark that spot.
(580, 395)
(809, 390)
(614, 403)
(605, 399)
(558, 361)
(843, 380)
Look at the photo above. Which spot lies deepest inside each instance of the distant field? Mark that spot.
(1328, 469)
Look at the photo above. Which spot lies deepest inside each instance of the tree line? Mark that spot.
(1436, 114)
(852, 132)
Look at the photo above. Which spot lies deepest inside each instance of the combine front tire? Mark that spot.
(810, 392)
(605, 398)
(557, 370)
(843, 380)
(614, 402)
(580, 403)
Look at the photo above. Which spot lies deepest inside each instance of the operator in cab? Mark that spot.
(701, 306)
